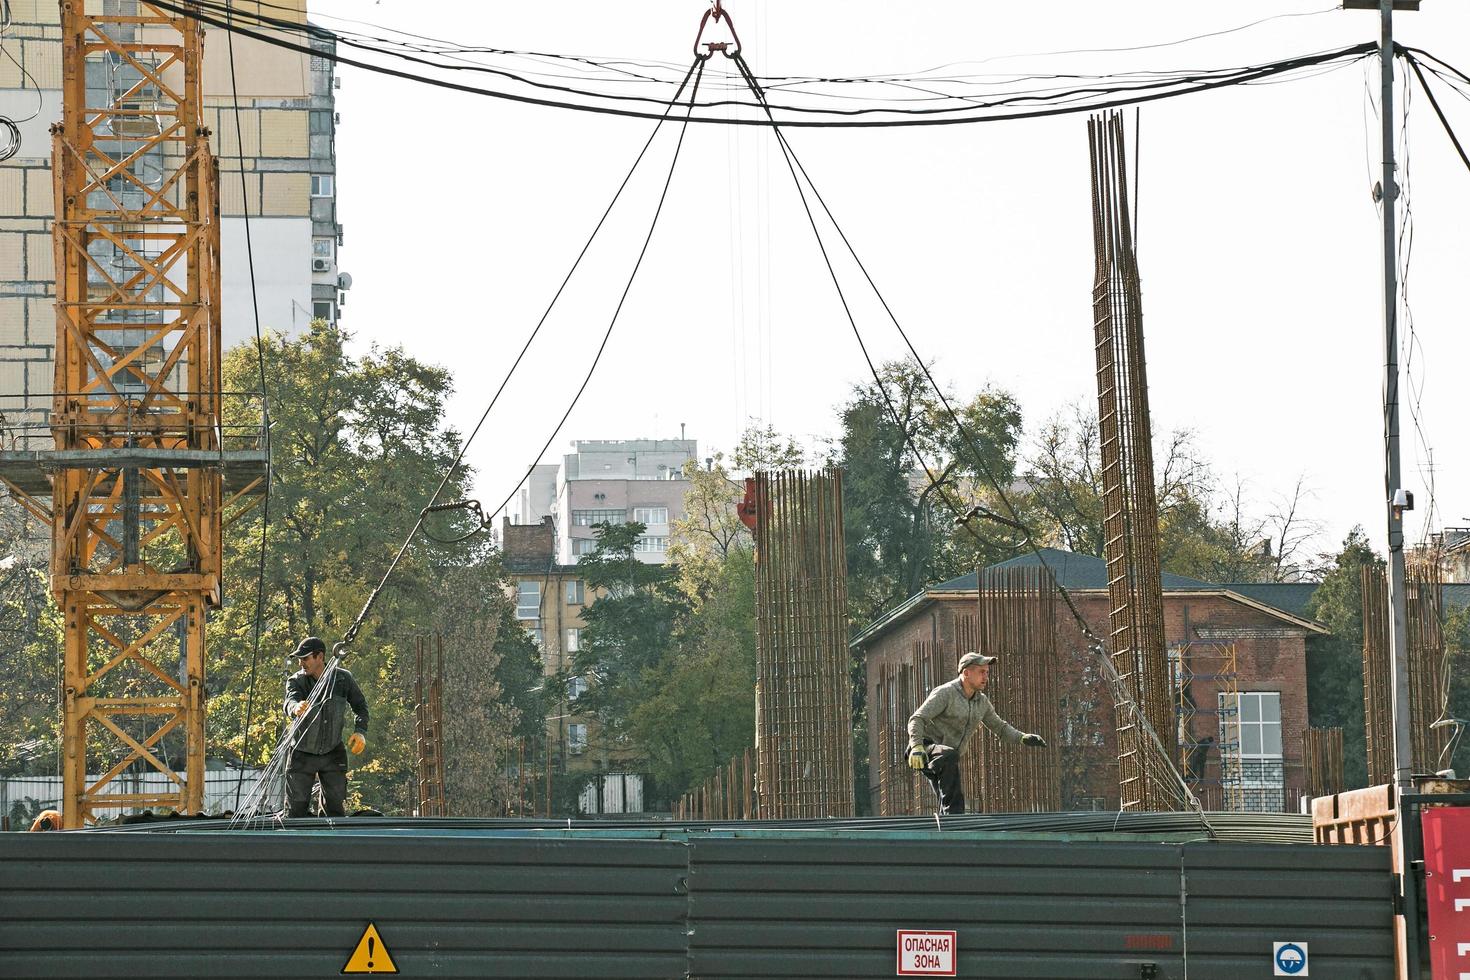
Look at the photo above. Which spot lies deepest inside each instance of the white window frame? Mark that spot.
(576, 592)
(576, 687)
(651, 516)
(583, 546)
(1258, 774)
(574, 639)
(526, 590)
(651, 544)
(323, 185)
(576, 738)
(322, 248)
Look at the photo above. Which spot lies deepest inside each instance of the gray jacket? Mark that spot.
(322, 730)
(947, 717)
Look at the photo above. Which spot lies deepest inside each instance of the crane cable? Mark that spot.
(1095, 643)
(275, 768)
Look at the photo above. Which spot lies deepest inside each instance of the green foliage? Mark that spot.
(30, 649)
(900, 535)
(1335, 662)
(358, 445)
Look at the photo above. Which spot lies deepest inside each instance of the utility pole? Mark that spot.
(1398, 500)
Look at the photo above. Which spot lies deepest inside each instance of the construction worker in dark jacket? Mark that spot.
(317, 751)
(942, 725)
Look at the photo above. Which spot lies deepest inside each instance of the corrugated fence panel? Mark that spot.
(1244, 897)
(292, 904)
(1037, 909)
(266, 905)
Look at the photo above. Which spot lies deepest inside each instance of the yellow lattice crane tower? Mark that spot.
(142, 471)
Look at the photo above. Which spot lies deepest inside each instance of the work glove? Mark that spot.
(918, 758)
(300, 709)
(1035, 741)
(356, 743)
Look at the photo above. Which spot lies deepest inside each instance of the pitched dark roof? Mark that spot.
(1073, 571)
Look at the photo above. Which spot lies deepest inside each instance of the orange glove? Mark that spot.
(356, 743)
(300, 709)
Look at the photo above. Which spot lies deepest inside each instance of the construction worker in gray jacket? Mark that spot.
(317, 752)
(942, 725)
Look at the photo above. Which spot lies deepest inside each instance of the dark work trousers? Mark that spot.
(943, 772)
(305, 769)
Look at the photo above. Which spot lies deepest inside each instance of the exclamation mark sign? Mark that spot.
(371, 943)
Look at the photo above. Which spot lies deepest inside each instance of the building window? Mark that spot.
(321, 121)
(651, 515)
(322, 310)
(535, 633)
(576, 687)
(577, 739)
(321, 248)
(587, 518)
(528, 600)
(321, 185)
(584, 546)
(574, 639)
(651, 544)
(1252, 770)
(575, 594)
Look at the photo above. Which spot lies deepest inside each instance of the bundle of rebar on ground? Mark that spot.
(1278, 828)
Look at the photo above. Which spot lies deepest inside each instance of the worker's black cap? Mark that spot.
(976, 660)
(308, 646)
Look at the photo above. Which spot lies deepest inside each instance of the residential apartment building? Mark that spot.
(277, 162)
(611, 481)
(550, 599)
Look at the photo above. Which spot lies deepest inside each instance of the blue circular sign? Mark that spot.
(1291, 959)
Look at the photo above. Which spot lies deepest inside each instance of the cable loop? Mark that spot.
(472, 506)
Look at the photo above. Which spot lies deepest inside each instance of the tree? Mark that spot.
(627, 631)
(710, 530)
(1335, 662)
(1205, 531)
(898, 509)
(358, 446)
(31, 632)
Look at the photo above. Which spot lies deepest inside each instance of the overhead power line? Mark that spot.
(1101, 93)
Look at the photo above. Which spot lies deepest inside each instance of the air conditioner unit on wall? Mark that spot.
(321, 265)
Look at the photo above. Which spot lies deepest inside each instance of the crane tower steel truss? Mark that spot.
(136, 476)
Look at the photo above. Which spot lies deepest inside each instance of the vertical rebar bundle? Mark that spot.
(1322, 760)
(1426, 649)
(729, 794)
(1016, 621)
(1130, 512)
(803, 692)
(429, 725)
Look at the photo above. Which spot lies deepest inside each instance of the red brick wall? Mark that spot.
(1272, 660)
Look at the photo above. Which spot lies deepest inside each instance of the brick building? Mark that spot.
(1239, 681)
(550, 599)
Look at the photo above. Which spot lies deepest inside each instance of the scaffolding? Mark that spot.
(1206, 711)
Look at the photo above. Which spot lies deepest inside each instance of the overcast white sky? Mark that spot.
(1259, 240)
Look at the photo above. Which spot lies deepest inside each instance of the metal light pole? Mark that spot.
(1397, 501)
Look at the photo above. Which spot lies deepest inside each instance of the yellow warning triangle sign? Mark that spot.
(370, 956)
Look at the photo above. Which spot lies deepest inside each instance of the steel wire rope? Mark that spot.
(283, 747)
(1192, 84)
(663, 196)
(449, 472)
(265, 513)
(794, 164)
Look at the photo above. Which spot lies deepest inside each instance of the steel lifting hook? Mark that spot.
(729, 50)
